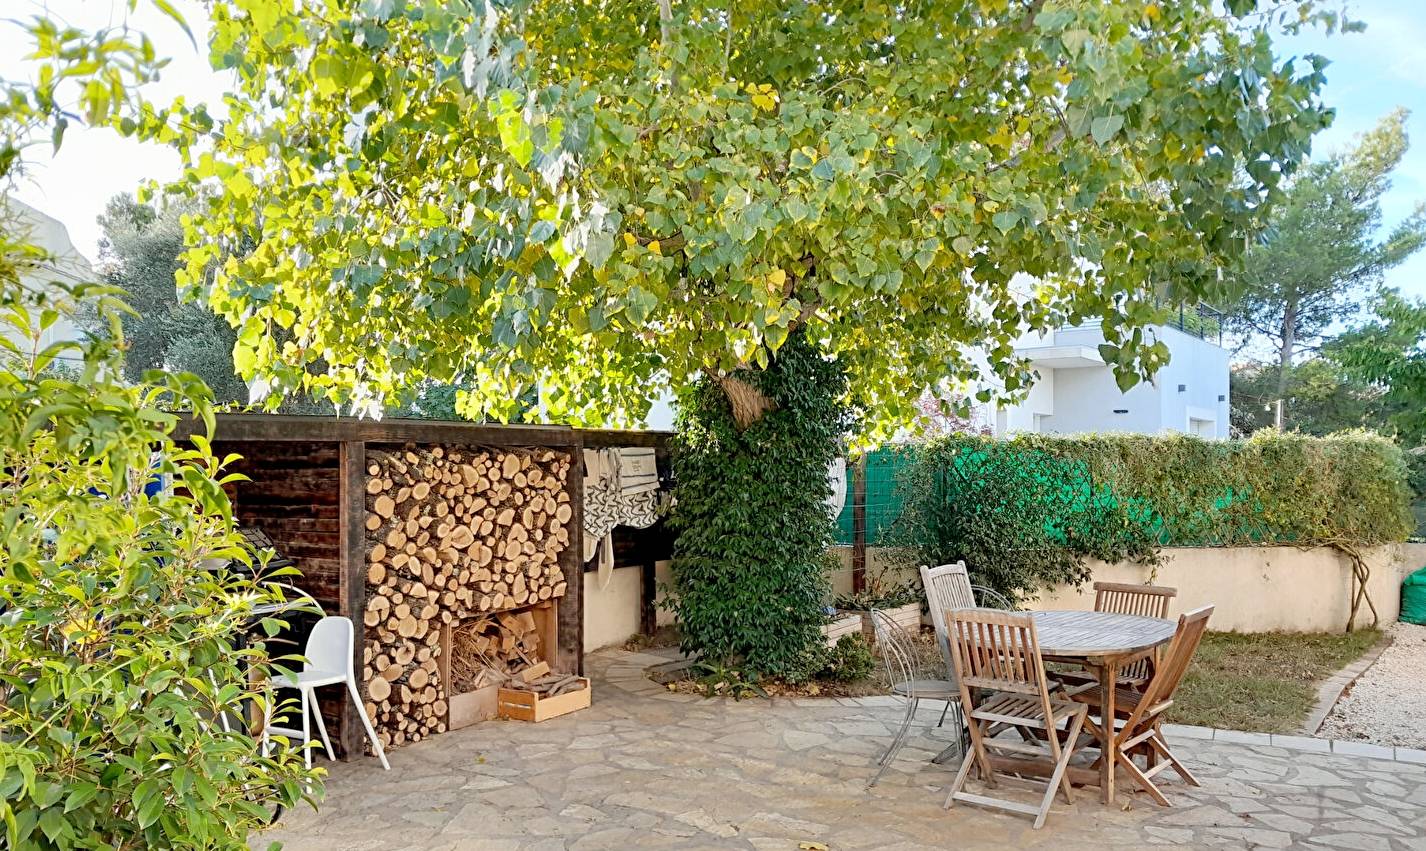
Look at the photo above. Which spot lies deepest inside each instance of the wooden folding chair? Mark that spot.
(1143, 712)
(1148, 601)
(1002, 682)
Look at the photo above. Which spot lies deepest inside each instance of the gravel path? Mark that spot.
(1388, 704)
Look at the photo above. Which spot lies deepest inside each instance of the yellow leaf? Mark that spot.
(777, 277)
(1152, 11)
(654, 247)
(629, 239)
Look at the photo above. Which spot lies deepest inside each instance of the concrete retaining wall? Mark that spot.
(1253, 589)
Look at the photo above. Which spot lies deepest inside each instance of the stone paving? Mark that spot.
(644, 768)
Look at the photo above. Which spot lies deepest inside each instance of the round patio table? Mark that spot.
(1103, 642)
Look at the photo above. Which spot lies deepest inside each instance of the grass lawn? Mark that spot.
(1264, 683)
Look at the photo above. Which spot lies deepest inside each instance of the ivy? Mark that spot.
(751, 516)
(1026, 513)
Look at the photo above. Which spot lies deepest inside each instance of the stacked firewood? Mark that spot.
(451, 533)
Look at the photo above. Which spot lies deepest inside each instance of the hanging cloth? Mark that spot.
(607, 505)
(837, 479)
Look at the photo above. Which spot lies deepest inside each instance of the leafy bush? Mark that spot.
(1021, 518)
(849, 660)
(1026, 512)
(119, 648)
(747, 592)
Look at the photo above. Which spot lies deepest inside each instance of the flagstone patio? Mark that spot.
(644, 768)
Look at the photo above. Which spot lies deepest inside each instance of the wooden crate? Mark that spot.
(844, 625)
(466, 708)
(529, 706)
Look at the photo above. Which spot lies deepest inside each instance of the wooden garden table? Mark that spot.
(1103, 643)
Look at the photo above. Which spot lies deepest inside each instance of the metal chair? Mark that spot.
(1143, 712)
(1002, 683)
(329, 661)
(903, 671)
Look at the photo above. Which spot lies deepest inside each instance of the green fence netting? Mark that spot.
(1186, 509)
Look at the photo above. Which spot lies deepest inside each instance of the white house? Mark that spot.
(1076, 391)
(62, 264)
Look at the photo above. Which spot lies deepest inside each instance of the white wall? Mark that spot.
(1084, 399)
(65, 264)
(611, 614)
(1041, 400)
(1202, 369)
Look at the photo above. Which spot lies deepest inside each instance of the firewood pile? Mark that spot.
(493, 650)
(451, 534)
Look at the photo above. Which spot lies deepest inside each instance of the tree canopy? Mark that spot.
(605, 199)
(1324, 252)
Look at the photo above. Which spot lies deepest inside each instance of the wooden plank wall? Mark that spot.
(294, 497)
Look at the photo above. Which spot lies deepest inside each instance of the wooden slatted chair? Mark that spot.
(1148, 601)
(1002, 682)
(1142, 713)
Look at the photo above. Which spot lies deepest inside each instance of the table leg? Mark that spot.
(1108, 678)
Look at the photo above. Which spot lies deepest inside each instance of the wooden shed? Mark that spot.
(412, 528)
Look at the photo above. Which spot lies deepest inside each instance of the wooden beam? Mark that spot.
(571, 606)
(598, 438)
(352, 499)
(274, 427)
(858, 472)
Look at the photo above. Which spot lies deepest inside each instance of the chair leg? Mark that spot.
(366, 723)
(322, 728)
(1144, 781)
(267, 697)
(960, 779)
(1160, 745)
(944, 710)
(896, 741)
(1058, 781)
(306, 728)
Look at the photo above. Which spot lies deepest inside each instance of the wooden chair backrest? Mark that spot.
(1149, 601)
(947, 587)
(996, 650)
(1174, 665)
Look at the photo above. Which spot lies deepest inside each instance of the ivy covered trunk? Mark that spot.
(751, 460)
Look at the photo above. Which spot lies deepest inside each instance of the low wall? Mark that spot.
(1262, 589)
(613, 613)
(1253, 589)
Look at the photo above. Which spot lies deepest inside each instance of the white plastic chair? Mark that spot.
(329, 661)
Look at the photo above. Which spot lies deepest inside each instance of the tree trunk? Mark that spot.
(750, 459)
(1285, 352)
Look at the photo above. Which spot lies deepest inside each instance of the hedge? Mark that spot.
(1030, 509)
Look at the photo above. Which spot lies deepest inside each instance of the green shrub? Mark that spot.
(849, 660)
(752, 523)
(1020, 517)
(118, 649)
(1026, 512)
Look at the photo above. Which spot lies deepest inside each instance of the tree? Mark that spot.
(140, 251)
(603, 201)
(1320, 398)
(1322, 254)
(119, 648)
(1390, 352)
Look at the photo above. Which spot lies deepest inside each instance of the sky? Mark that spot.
(1371, 74)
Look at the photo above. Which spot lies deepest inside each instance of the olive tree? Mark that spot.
(602, 201)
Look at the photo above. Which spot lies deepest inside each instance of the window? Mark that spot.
(1202, 428)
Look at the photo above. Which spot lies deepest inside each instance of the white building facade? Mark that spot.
(1076, 392)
